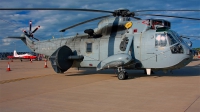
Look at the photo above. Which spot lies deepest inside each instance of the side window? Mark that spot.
(88, 47)
(161, 40)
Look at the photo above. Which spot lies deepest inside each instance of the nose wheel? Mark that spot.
(122, 74)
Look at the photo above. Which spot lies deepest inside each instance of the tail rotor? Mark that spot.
(30, 33)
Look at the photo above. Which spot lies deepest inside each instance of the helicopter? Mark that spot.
(117, 43)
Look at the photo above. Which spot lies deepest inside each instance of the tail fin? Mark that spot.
(17, 37)
(15, 53)
(23, 38)
(26, 40)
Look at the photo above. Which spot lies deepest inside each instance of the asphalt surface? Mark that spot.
(29, 87)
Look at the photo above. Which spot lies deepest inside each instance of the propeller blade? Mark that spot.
(36, 29)
(63, 30)
(69, 9)
(169, 16)
(34, 37)
(30, 25)
(25, 32)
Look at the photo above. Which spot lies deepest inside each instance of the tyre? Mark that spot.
(121, 75)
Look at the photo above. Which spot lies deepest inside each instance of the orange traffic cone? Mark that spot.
(45, 64)
(8, 69)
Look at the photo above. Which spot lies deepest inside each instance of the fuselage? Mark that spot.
(148, 47)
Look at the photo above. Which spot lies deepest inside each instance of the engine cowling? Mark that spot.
(60, 61)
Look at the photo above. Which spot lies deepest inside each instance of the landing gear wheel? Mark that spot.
(122, 75)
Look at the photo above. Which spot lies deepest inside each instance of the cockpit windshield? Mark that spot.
(171, 39)
(177, 36)
(162, 38)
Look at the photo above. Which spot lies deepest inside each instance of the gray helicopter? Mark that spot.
(118, 42)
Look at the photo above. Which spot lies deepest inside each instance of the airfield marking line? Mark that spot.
(24, 78)
(192, 104)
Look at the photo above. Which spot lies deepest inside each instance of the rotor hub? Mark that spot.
(123, 13)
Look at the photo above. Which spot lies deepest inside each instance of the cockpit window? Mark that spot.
(160, 40)
(177, 36)
(171, 39)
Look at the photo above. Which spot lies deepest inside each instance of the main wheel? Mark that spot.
(122, 75)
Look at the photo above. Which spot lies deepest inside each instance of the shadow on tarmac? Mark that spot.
(196, 59)
(183, 72)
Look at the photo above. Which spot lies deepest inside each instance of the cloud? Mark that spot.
(5, 42)
(13, 22)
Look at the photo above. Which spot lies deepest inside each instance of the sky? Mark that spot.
(13, 22)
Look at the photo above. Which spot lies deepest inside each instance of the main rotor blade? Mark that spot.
(69, 9)
(136, 18)
(184, 36)
(63, 30)
(165, 10)
(168, 16)
(191, 36)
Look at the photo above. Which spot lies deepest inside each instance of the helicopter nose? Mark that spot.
(189, 51)
(189, 54)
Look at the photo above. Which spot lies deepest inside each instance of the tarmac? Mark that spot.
(29, 87)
